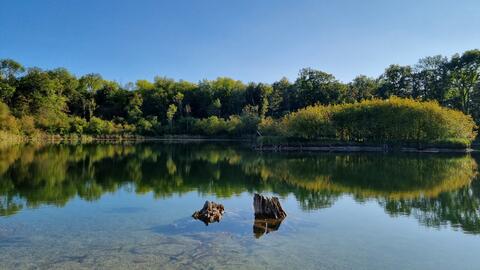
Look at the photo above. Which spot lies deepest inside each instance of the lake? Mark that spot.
(129, 206)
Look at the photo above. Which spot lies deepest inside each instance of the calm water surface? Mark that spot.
(129, 207)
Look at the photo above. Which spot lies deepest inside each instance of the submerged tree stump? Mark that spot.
(211, 212)
(268, 208)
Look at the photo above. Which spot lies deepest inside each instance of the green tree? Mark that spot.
(396, 81)
(313, 86)
(40, 94)
(134, 104)
(257, 94)
(111, 101)
(85, 102)
(215, 108)
(464, 77)
(362, 87)
(431, 79)
(9, 70)
(281, 99)
(230, 92)
(172, 110)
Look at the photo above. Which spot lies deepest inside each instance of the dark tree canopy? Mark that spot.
(56, 101)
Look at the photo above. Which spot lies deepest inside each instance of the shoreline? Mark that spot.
(255, 145)
(352, 149)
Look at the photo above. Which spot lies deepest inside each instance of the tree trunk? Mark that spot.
(267, 208)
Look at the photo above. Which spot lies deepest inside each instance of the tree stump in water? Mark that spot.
(211, 212)
(268, 208)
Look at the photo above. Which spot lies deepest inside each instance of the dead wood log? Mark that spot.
(267, 208)
(211, 212)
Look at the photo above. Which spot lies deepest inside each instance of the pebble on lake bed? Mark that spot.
(211, 212)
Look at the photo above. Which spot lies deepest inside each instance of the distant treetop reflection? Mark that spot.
(436, 189)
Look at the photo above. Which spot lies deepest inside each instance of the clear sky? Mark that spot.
(257, 40)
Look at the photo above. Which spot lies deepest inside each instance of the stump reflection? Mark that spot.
(264, 226)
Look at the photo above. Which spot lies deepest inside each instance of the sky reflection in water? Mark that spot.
(129, 206)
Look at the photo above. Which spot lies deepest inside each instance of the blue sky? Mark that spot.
(258, 40)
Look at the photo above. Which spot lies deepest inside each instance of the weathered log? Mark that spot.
(211, 212)
(268, 208)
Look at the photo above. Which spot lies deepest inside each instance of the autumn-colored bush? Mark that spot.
(270, 127)
(309, 123)
(8, 123)
(400, 119)
(392, 120)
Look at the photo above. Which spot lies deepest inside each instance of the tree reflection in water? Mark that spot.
(436, 189)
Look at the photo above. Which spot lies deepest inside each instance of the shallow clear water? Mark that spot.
(129, 207)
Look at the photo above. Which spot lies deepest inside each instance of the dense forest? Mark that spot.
(35, 101)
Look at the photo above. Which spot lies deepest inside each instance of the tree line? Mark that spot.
(55, 101)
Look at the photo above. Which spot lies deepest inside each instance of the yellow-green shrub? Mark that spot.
(8, 122)
(393, 120)
(400, 119)
(211, 125)
(214, 125)
(309, 123)
(78, 125)
(27, 124)
(269, 126)
(98, 126)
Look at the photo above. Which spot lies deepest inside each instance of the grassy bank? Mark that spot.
(9, 138)
(294, 144)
